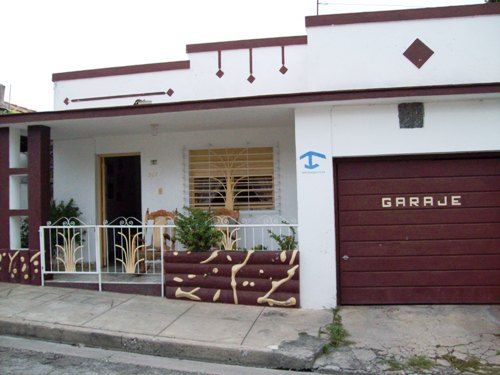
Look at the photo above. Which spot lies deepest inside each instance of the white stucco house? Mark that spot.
(376, 135)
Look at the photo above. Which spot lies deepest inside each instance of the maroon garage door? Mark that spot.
(419, 231)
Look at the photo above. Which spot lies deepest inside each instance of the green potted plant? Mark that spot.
(196, 231)
(57, 211)
(285, 242)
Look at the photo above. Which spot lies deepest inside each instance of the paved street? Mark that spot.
(19, 356)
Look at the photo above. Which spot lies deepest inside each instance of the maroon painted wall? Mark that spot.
(4, 188)
(264, 278)
(21, 265)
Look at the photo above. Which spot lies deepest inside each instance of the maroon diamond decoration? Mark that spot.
(219, 73)
(418, 53)
(283, 69)
(251, 78)
(170, 92)
(66, 101)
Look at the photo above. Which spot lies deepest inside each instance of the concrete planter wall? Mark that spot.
(266, 278)
(20, 266)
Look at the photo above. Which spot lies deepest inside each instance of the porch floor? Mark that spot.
(110, 278)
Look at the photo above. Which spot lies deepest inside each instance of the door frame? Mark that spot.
(101, 193)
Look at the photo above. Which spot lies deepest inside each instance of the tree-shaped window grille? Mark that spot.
(232, 178)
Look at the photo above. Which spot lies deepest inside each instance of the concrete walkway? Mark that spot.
(246, 335)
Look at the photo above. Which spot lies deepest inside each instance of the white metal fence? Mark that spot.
(125, 247)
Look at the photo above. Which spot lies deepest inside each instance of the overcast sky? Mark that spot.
(43, 37)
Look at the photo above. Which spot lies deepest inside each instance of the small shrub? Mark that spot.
(285, 242)
(420, 362)
(195, 230)
(337, 334)
(394, 365)
(62, 209)
(57, 211)
(259, 247)
(462, 365)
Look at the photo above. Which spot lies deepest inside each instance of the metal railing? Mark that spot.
(126, 247)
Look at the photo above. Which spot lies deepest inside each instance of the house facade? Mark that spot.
(375, 137)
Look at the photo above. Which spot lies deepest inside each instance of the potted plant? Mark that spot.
(195, 230)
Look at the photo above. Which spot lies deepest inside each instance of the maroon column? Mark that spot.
(38, 188)
(4, 189)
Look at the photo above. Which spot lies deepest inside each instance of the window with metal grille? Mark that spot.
(232, 178)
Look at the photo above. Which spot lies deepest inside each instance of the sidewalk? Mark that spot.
(418, 339)
(437, 339)
(244, 335)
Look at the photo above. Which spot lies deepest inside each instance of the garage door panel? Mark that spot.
(421, 278)
(422, 263)
(420, 295)
(423, 216)
(433, 247)
(419, 168)
(420, 232)
(374, 202)
(420, 185)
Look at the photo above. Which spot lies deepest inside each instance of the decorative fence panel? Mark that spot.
(125, 255)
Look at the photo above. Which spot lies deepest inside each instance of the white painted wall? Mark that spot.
(75, 166)
(370, 55)
(198, 82)
(75, 175)
(356, 56)
(315, 210)
(459, 126)
(370, 130)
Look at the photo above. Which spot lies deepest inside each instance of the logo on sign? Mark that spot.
(310, 155)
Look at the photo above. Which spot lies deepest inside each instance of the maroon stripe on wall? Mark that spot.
(253, 101)
(248, 43)
(4, 190)
(118, 96)
(121, 70)
(403, 15)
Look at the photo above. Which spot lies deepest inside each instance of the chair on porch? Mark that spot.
(152, 251)
(224, 216)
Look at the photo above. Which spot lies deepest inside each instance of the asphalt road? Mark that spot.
(16, 361)
(35, 357)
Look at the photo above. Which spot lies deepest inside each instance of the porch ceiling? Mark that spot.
(234, 118)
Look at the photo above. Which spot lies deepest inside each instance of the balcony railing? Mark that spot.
(124, 249)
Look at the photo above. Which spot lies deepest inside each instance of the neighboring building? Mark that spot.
(6, 107)
(377, 133)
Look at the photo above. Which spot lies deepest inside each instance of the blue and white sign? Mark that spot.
(312, 159)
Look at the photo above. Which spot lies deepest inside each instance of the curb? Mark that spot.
(287, 356)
